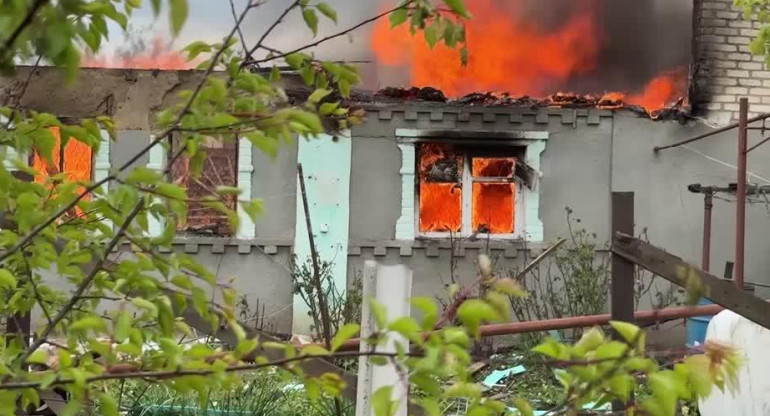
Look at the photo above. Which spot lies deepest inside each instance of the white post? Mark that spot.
(390, 286)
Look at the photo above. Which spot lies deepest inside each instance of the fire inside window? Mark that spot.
(75, 160)
(467, 189)
(219, 169)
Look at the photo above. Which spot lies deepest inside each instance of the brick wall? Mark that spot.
(725, 69)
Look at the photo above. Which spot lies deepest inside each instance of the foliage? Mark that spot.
(343, 307)
(123, 319)
(758, 10)
(575, 280)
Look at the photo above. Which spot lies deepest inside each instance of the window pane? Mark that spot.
(496, 167)
(493, 207)
(440, 207)
(440, 162)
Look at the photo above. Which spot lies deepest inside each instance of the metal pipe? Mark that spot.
(711, 133)
(758, 144)
(740, 194)
(648, 316)
(708, 203)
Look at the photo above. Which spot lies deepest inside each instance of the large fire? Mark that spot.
(158, 55)
(510, 53)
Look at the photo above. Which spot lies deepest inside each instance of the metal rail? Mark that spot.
(711, 133)
(648, 316)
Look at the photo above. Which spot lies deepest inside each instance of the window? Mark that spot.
(75, 159)
(469, 189)
(220, 168)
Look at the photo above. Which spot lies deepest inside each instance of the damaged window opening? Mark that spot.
(469, 189)
(74, 159)
(220, 168)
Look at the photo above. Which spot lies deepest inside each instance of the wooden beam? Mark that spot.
(678, 271)
(622, 283)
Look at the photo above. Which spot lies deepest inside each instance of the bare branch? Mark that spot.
(262, 38)
(327, 38)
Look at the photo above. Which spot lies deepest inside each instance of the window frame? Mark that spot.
(471, 150)
(535, 141)
(177, 141)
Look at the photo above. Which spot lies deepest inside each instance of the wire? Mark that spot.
(723, 163)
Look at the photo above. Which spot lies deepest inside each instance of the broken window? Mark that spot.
(220, 168)
(468, 189)
(75, 160)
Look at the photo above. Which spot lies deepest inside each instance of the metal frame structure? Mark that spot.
(743, 150)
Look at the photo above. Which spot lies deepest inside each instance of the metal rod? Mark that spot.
(326, 321)
(708, 203)
(640, 317)
(711, 133)
(740, 195)
(758, 144)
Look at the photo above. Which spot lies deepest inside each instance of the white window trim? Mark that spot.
(527, 210)
(246, 228)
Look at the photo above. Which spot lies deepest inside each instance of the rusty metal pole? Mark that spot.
(740, 206)
(708, 203)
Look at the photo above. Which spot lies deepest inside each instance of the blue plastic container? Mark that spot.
(697, 326)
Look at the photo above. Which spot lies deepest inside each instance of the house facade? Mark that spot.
(432, 185)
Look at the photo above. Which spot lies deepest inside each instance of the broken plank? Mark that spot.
(676, 270)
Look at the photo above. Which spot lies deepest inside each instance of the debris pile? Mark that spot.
(611, 101)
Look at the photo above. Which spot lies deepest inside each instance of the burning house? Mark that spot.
(436, 175)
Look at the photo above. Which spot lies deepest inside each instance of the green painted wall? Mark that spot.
(326, 164)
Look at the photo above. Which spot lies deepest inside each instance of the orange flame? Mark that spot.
(158, 56)
(509, 52)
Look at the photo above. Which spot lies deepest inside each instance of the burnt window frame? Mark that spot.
(62, 152)
(176, 141)
(471, 149)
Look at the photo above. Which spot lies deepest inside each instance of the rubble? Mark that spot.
(679, 110)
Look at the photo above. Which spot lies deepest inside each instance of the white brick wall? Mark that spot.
(725, 68)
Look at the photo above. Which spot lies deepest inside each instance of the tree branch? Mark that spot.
(82, 287)
(163, 375)
(327, 38)
(262, 38)
(40, 227)
(8, 44)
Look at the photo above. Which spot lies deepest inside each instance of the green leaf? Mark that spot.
(146, 305)
(345, 333)
(122, 326)
(72, 407)
(108, 405)
(382, 403)
(318, 95)
(398, 17)
(7, 280)
(93, 323)
(38, 357)
(196, 48)
(327, 11)
(429, 312)
(475, 311)
(328, 108)
(311, 19)
(379, 313)
(458, 8)
(405, 326)
(629, 332)
(589, 341)
(178, 15)
(523, 406)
